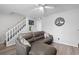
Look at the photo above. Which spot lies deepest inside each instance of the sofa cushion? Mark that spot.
(30, 40)
(35, 39)
(27, 35)
(39, 48)
(39, 37)
(21, 49)
(35, 34)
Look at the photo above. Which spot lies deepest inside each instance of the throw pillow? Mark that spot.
(48, 38)
(46, 35)
(25, 42)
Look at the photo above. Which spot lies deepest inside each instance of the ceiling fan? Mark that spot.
(43, 7)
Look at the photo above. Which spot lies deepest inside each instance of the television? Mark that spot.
(31, 22)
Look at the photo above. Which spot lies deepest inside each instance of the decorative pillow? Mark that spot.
(48, 38)
(46, 35)
(25, 42)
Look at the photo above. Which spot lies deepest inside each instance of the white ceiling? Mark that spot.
(28, 9)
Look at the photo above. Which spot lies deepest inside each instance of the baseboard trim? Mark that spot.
(75, 45)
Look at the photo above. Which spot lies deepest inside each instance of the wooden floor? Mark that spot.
(61, 50)
(8, 50)
(65, 49)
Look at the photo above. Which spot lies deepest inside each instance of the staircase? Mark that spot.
(13, 31)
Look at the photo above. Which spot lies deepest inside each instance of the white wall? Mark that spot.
(6, 21)
(69, 32)
(34, 26)
(38, 25)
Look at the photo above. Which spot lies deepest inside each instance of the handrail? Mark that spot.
(15, 24)
(13, 31)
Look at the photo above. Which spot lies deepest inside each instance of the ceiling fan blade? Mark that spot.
(39, 9)
(35, 9)
(49, 7)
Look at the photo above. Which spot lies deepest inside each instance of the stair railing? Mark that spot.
(13, 31)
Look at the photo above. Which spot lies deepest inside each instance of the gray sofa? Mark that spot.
(38, 44)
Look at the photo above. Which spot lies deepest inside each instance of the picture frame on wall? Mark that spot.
(59, 21)
(31, 22)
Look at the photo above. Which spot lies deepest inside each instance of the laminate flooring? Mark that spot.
(61, 50)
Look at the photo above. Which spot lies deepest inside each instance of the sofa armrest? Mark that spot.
(22, 49)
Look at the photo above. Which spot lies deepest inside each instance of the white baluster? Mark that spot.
(7, 36)
(10, 34)
(13, 32)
